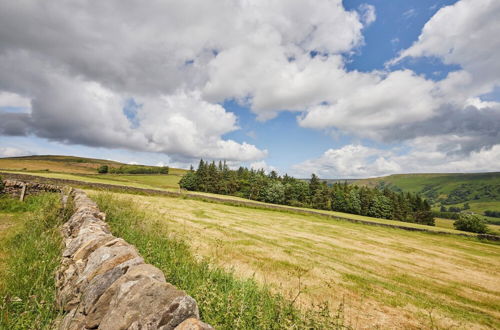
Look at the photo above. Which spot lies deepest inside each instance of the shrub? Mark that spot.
(103, 169)
(1, 185)
(494, 214)
(139, 169)
(471, 223)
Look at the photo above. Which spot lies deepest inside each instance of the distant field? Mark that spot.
(386, 278)
(169, 183)
(467, 188)
(62, 164)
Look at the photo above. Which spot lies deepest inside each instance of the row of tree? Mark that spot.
(133, 169)
(272, 188)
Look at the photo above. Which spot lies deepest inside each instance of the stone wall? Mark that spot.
(104, 283)
(15, 187)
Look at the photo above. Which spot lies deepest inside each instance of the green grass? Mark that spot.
(142, 180)
(225, 301)
(400, 276)
(32, 254)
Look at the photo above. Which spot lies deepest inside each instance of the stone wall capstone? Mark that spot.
(103, 282)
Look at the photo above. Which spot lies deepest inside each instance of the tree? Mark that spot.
(471, 223)
(275, 193)
(314, 184)
(443, 209)
(103, 169)
(189, 181)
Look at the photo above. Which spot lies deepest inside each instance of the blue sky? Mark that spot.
(363, 95)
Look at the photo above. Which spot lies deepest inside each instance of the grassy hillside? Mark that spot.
(480, 190)
(62, 164)
(380, 277)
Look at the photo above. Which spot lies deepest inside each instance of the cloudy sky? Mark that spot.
(344, 89)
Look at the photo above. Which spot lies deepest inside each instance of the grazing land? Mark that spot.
(381, 277)
(30, 247)
(320, 271)
(480, 190)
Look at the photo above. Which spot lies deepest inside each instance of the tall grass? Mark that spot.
(225, 301)
(28, 291)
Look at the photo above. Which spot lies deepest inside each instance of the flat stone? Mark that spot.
(102, 282)
(132, 276)
(193, 324)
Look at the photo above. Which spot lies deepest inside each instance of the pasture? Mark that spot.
(381, 277)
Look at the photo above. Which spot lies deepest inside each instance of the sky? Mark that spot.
(343, 89)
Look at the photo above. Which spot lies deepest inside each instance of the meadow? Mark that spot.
(380, 277)
(30, 249)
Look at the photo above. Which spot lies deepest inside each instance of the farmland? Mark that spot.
(369, 276)
(380, 276)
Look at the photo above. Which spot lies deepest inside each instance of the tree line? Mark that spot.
(133, 169)
(287, 190)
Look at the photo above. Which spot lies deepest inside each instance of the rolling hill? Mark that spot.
(480, 190)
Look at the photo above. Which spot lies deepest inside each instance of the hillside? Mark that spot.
(480, 190)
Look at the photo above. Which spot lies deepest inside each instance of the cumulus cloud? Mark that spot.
(76, 67)
(262, 165)
(396, 106)
(13, 152)
(77, 64)
(358, 161)
(367, 12)
(14, 100)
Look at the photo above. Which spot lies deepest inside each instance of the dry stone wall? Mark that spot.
(16, 188)
(103, 282)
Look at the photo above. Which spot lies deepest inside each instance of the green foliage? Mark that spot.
(1, 185)
(225, 301)
(494, 214)
(103, 169)
(272, 188)
(139, 169)
(28, 291)
(471, 223)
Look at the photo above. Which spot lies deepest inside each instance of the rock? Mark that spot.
(132, 276)
(193, 324)
(107, 257)
(102, 282)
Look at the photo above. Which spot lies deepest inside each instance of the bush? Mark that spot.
(139, 169)
(1, 185)
(471, 223)
(494, 214)
(103, 169)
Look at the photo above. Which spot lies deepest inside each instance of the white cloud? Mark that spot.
(80, 62)
(466, 34)
(13, 152)
(262, 165)
(367, 13)
(425, 156)
(14, 100)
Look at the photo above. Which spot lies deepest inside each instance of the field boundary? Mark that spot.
(30, 177)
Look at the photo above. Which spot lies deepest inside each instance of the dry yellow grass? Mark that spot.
(387, 278)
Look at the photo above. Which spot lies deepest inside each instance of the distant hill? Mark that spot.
(59, 164)
(480, 190)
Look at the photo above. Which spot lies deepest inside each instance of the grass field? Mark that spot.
(440, 186)
(167, 182)
(30, 249)
(383, 277)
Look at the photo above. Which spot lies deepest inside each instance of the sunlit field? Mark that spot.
(382, 277)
